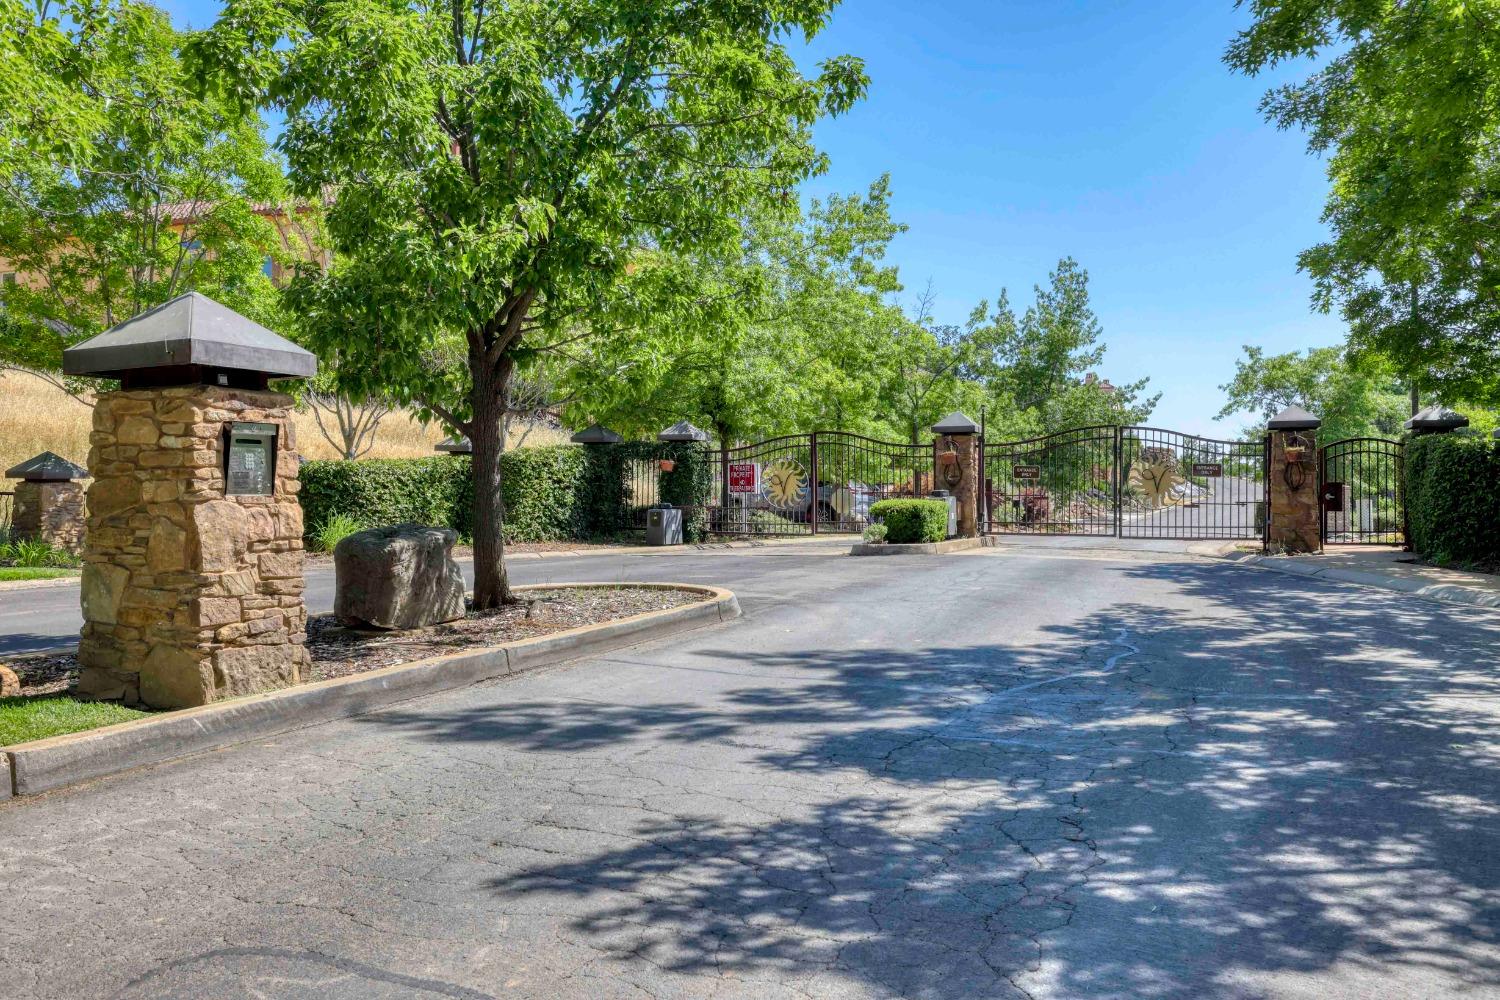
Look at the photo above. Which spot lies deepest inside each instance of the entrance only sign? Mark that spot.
(744, 478)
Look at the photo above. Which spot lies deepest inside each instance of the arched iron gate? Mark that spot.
(805, 484)
(1131, 482)
(1360, 492)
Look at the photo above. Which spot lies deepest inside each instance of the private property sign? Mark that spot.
(744, 478)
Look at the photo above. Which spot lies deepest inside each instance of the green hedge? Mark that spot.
(908, 521)
(553, 493)
(539, 487)
(1452, 495)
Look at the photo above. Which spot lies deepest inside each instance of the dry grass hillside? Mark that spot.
(35, 417)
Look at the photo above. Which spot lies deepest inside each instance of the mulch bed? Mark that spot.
(338, 651)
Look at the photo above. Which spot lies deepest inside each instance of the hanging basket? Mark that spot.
(666, 464)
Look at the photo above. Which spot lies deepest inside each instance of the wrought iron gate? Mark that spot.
(1061, 484)
(1177, 485)
(1132, 482)
(810, 483)
(1359, 490)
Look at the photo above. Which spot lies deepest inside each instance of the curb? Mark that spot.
(1447, 593)
(71, 580)
(60, 761)
(914, 548)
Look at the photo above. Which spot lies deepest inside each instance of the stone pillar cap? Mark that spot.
(956, 422)
(46, 468)
(455, 445)
(1436, 417)
(1294, 418)
(683, 431)
(191, 329)
(596, 435)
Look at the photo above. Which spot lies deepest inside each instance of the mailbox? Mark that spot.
(250, 459)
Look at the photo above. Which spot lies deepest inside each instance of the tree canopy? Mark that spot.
(121, 185)
(1352, 400)
(1405, 101)
(496, 171)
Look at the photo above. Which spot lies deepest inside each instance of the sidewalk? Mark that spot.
(1378, 566)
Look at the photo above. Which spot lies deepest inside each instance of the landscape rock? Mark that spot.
(10, 684)
(402, 577)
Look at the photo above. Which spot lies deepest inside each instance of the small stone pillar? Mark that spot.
(1296, 522)
(192, 579)
(957, 450)
(49, 503)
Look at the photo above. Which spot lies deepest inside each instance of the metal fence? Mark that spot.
(7, 514)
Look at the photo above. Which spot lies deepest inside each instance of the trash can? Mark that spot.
(664, 526)
(952, 509)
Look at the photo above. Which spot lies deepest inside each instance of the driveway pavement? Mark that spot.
(1010, 773)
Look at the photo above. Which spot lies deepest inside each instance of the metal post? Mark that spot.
(724, 520)
(1116, 471)
(812, 486)
(1265, 476)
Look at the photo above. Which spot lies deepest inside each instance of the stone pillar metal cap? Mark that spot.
(1436, 417)
(683, 431)
(455, 445)
(596, 434)
(46, 468)
(1294, 418)
(190, 330)
(956, 422)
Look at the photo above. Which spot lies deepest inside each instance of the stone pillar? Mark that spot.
(1295, 526)
(51, 512)
(190, 592)
(958, 436)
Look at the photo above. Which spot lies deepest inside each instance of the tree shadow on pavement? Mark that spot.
(1248, 778)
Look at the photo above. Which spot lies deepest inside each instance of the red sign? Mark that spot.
(744, 478)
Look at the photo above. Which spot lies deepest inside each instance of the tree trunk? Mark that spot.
(1416, 398)
(491, 588)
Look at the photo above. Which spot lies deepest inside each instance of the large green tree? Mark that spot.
(1037, 368)
(1405, 102)
(496, 167)
(784, 334)
(121, 185)
(1352, 400)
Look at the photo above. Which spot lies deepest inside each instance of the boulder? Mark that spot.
(10, 684)
(398, 578)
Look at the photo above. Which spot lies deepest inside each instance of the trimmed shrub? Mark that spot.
(908, 521)
(1452, 494)
(874, 533)
(383, 491)
(552, 493)
(540, 488)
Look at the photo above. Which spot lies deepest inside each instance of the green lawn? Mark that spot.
(33, 573)
(23, 719)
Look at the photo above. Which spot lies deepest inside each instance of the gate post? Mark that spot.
(1295, 521)
(956, 434)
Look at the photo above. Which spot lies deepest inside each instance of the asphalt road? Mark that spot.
(1032, 772)
(1226, 511)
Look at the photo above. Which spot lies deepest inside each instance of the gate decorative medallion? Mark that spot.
(785, 485)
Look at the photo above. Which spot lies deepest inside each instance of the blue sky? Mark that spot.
(1016, 133)
(1019, 133)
